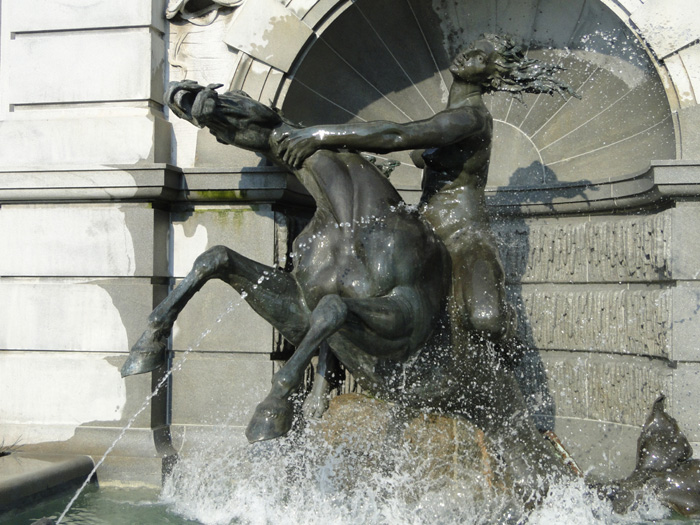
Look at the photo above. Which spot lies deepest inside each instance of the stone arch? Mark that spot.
(343, 60)
(347, 61)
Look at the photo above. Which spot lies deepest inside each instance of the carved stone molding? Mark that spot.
(663, 182)
(198, 12)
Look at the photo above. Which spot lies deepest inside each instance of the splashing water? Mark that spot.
(231, 306)
(301, 479)
(574, 504)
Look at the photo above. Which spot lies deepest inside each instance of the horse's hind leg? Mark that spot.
(327, 371)
(387, 319)
(273, 417)
(272, 293)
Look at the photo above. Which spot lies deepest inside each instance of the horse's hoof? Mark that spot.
(145, 356)
(315, 406)
(272, 419)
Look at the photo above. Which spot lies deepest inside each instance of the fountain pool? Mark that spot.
(294, 480)
(106, 505)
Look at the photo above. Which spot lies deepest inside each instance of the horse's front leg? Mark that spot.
(273, 417)
(271, 293)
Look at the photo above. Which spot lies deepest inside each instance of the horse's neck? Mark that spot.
(339, 186)
(324, 176)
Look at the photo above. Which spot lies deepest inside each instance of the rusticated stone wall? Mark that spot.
(587, 249)
(594, 284)
(600, 297)
(598, 320)
(603, 388)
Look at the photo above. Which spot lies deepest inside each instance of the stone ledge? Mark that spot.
(23, 476)
(135, 459)
(663, 182)
(250, 185)
(157, 183)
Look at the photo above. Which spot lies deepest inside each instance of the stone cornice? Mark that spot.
(157, 183)
(249, 185)
(662, 183)
(154, 183)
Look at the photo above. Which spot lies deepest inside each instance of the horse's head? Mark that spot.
(181, 96)
(233, 117)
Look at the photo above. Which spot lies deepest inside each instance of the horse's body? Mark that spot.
(370, 281)
(363, 244)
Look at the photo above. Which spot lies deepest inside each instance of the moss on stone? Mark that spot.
(222, 195)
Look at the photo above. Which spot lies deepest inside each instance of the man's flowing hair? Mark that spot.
(517, 74)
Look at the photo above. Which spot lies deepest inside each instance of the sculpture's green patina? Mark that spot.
(413, 304)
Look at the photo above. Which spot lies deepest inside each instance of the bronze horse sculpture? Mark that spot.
(372, 280)
(413, 304)
(373, 283)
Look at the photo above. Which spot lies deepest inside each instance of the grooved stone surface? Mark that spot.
(610, 320)
(588, 249)
(616, 389)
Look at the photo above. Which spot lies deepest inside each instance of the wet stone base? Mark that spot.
(436, 449)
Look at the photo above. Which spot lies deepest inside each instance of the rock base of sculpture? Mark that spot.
(436, 453)
(431, 449)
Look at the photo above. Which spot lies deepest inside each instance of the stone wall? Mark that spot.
(610, 302)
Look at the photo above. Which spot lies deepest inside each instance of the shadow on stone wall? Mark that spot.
(514, 234)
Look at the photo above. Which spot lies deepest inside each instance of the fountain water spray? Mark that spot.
(231, 306)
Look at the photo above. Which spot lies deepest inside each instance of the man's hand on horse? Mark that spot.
(298, 144)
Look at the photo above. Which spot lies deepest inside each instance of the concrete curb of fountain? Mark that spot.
(26, 476)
